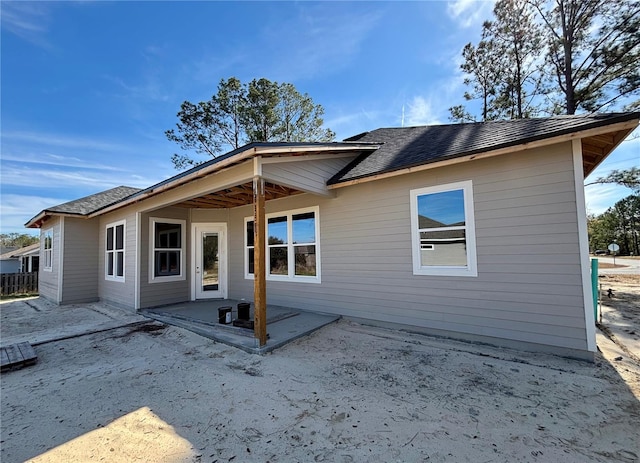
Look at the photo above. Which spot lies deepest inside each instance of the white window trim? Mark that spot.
(124, 251)
(469, 270)
(152, 249)
(50, 250)
(292, 277)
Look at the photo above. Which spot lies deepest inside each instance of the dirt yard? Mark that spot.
(152, 393)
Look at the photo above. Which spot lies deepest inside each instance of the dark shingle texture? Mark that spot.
(412, 146)
(93, 203)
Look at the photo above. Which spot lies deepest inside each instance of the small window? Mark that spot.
(167, 259)
(47, 238)
(114, 251)
(443, 230)
(292, 246)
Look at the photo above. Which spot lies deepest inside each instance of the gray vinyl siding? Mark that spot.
(80, 276)
(529, 285)
(305, 175)
(48, 280)
(162, 293)
(118, 293)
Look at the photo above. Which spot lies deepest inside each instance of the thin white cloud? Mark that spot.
(321, 41)
(151, 89)
(47, 139)
(420, 111)
(599, 198)
(470, 13)
(27, 20)
(50, 159)
(16, 210)
(349, 124)
(27, 176)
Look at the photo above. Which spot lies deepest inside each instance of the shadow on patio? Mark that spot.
(284, 324)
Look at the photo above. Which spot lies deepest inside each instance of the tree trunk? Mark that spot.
(567, 44)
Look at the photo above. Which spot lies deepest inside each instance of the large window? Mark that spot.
(167, 238)
(292, 246)
(443, 230)
(47, 238)
(114, 251)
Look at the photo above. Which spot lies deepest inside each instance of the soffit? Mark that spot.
(597, 147)
(239, 195)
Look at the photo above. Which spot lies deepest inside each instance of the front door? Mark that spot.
(210, 261)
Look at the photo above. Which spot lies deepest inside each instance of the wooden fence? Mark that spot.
(18, 283)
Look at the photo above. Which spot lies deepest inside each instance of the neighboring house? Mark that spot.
(475, 231)
(8, 263)
(29, 258)
(20, 260)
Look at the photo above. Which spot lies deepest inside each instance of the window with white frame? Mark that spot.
(114, 251)
(167, 240)
(292, 243)
(47, 238)
(443, 230)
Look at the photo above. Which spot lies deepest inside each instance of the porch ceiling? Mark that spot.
(239, 195)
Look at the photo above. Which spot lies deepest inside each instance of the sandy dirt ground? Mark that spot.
(347, 393)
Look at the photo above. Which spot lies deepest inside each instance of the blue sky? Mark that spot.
(88, 88)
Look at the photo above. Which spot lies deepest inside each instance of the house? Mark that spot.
(9, 263)
(474, 231)
(29, 258)
(23, 260)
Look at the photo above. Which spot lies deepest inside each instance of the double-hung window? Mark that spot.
(168, 240)
(47, 238)
(443, 230)
(114, 251)
(292, 246)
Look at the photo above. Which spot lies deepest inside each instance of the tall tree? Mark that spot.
(482, 69)
(518, 39)
(238, 113)
(300, 119)
(226, 108)
(593, 50)
(260, 117)
(590, 50)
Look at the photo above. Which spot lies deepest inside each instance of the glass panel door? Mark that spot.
(210, 264)
(209, 261)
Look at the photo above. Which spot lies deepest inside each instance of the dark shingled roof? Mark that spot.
(93, 203)
(413, 146)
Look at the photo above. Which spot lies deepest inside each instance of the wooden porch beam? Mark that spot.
(259, 261)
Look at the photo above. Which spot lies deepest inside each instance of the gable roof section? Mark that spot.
(403, 148)
(87, 205)
(241, 155)
(391, 151)
(27, 250)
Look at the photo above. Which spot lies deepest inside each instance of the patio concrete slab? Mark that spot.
(284, 324)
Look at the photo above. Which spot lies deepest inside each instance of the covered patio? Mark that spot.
(283, 324)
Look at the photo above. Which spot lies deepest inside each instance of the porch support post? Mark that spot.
(259, 271)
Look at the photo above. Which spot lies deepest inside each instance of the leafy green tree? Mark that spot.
(593, 48)
(482, 73)
(17, 240)
(619, 224)
(260, 117)
(300, 119)
(238, 113)
(518, 40)
(554, 56)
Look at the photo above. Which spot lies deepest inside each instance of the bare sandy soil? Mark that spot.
(347, 393)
